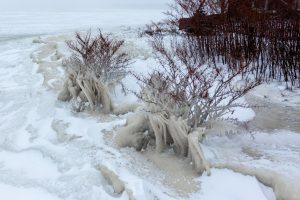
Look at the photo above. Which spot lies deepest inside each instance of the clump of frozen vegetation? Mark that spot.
(199, 81)
(180, 97)
(95, 67)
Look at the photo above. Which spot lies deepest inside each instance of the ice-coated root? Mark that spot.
(142, 127)
(178, 131)
(159, 126)
(135, 132)
(168, 132)
(284, 188)
(175, 131)
(105, 99)
(196, 153)
(88, 90)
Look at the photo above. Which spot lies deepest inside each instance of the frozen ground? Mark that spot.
(49, 152)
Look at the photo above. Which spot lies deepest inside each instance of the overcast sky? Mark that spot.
(79, 5)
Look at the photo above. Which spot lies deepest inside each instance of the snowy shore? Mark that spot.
(49, 152)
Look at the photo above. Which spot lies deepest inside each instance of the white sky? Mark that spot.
(79, 5)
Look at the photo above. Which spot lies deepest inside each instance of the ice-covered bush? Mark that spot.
(180, 96)
(96, 65)
(196, 89)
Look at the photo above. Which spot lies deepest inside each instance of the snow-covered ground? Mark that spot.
(49, 152)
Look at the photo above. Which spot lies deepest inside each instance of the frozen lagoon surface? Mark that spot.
(16, 24)
(49, 152)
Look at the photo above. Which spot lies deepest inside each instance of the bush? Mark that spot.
(190, 87)
(235, 34)
(180, 96)
(203, 72)
(95, 66)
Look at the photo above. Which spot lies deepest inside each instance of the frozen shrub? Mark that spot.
(181, 95)
(95, 66)
(193, 88)
(190, 87)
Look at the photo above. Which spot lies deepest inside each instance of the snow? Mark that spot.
(241, 114)
(43, 168)
(225, 185)
(9, 192)
(277, 151)
(276, 92)
(49, 152)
